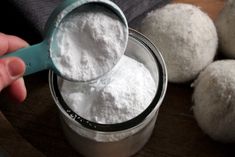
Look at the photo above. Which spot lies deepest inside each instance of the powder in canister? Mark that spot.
(89, 43)
(120, 95)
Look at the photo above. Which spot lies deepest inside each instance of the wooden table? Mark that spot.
(34, 130)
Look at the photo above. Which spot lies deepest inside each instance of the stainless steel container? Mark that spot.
(100, 140)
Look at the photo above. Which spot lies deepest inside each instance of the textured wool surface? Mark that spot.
(214, 99)
(185, 35)
(225, 24)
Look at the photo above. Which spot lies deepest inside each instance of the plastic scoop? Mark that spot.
(38, 57)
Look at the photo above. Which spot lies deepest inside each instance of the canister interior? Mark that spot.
(140, 49)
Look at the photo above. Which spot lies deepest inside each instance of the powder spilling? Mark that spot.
(120, 95)
(89, 43)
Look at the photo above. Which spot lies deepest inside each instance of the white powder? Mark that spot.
(89, 43)
(120, 95)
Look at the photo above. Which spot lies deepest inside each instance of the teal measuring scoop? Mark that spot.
(38, 57)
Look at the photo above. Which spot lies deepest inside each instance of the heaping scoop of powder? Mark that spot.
(120, 95)
(90, 42)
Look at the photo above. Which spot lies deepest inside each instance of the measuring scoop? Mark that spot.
(38, 57)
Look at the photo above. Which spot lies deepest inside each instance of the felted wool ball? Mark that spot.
(186, 37)
(214, 100)
(225, 24)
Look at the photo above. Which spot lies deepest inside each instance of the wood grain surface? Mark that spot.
(36, 130)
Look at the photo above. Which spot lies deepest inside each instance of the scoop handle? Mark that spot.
(35, 57)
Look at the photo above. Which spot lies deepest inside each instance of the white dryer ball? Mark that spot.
(214, 100)
(226, 29)
(186, 37)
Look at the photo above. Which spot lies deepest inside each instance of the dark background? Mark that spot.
(13, 22)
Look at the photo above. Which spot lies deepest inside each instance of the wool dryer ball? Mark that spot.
(225, 26)
(185, 35)
(214, 100)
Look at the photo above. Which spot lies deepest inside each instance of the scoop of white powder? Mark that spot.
(90, 42)
(186, 37)
(214, 98)
(122, 94)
